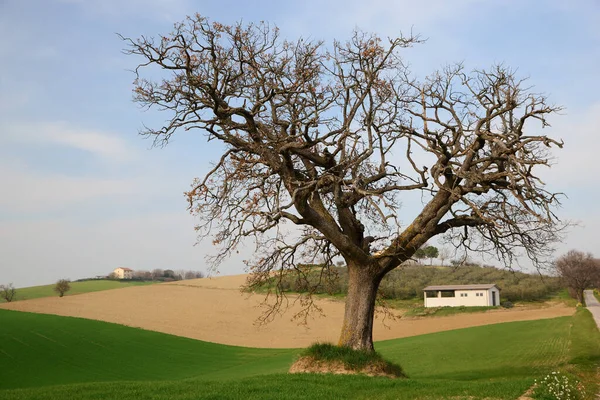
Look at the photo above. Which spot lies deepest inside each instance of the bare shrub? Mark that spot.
(8, 292)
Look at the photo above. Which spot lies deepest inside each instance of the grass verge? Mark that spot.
(445, 311)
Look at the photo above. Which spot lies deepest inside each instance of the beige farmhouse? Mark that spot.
(462, 295)
(123, 273)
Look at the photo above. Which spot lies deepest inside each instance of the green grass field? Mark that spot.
(35, 292)
(444, 311)
(51, 357)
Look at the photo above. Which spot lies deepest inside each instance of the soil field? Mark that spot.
(215, 310)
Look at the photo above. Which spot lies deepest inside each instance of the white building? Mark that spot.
(123, 273)
(462, 295)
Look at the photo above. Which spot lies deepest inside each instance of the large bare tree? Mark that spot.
(331, 138)
(578, 271)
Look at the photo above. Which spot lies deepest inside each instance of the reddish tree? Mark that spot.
(578, 271)
(330, 138)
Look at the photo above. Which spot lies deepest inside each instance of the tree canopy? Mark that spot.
(330, 138)
(578, 271)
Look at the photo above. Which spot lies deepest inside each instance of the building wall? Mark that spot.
(469, 298)
(123, 274)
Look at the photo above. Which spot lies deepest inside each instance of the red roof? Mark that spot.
(125, 269)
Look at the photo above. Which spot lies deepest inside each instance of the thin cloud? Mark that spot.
(104, 145)
(30, 192)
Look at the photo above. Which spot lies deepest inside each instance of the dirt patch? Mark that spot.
(215, 310)
(310, 365)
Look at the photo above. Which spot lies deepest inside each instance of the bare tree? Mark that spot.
(314, 136)
(443, 255)
(578, 271)
(193, 275)
(157, 273)
(142, 275)
(179, 274)
(8, 292)
(62, 287)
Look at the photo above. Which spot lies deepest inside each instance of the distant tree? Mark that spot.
(578, 271)
(421, 254)
(112, 276)
(455, 263)
(193, 275)
(169, 273)
(8, 292)
(157, 273)
(431, 252)
(142, 275)
(443, 255)
(62, 287)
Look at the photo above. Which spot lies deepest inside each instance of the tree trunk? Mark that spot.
(357, 329)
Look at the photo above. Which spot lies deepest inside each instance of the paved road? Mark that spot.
(593, 305)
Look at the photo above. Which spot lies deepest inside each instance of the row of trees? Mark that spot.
(428, 251)
(408, 282)
(158, 274)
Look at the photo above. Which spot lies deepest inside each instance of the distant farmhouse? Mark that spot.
(462, 295)
(123, 273)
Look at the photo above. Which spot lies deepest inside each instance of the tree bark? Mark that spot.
(357, 329)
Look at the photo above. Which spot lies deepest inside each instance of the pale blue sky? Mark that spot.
(82, 193)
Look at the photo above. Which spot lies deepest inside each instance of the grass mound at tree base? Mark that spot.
(324, 358)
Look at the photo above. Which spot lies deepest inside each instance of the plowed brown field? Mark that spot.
(215, 310)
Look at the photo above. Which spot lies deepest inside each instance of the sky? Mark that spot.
(82, 193)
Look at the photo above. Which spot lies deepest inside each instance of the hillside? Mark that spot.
(96, 285)
(408, 281)
(215, 310)
(51, 357)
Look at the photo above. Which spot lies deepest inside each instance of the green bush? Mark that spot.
(507, 304)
